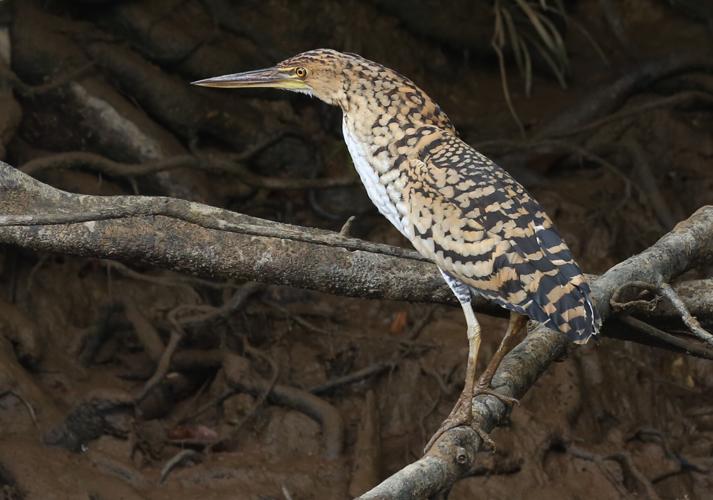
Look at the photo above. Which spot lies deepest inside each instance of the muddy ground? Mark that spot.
(80, 337)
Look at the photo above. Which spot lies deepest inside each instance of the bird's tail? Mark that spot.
(581, 333)
(572, 312)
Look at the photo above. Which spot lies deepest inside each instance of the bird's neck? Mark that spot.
(384, 113)
(392, 125)
(391, 104)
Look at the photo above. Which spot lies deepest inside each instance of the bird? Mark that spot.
(486, 234)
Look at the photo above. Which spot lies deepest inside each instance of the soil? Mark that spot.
(611, 420)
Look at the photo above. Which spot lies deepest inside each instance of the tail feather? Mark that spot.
(572, 313)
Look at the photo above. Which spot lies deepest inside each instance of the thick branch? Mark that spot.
(207, 241)
(689, 244)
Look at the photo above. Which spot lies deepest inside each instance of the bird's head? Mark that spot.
(321, 73)
(340, 79)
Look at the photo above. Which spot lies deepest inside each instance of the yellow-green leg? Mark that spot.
(462, 413)
(517, 324)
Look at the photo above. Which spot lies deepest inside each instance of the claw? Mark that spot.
(462, 415)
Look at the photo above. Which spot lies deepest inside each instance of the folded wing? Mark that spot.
(482, 227)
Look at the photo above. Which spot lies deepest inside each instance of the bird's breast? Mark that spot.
(383, 181)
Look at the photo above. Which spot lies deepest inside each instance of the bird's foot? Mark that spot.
(461, 415)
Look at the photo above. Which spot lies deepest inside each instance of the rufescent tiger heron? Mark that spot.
(482, 229)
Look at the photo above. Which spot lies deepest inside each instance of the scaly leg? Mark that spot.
(462, 413)
(517, 324)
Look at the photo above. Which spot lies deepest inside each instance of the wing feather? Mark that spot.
(482, 227)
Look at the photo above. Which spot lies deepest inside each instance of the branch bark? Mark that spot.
(689, 244)
(202, 240)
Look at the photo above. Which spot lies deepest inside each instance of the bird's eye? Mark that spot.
(301, 72)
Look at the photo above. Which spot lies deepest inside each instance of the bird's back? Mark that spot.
(482, 227)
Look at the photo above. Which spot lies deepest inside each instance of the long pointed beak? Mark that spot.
(270, 77)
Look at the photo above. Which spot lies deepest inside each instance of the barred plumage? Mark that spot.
(487, 235)
(458, 207)
(482, 227)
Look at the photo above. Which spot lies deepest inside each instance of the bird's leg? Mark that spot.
(516, 325)
(473, 333)
(462, 412)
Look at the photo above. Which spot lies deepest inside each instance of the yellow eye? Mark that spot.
(301, 72)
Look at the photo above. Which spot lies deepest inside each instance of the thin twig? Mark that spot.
(618, 304)
(175, 461)
(690, 321)
(353, 377)
(680, 98)
(26, 403)
(275, 374)
(347, 227)
(204, 312)
(164, 363)
(210, 162)
(690, 348)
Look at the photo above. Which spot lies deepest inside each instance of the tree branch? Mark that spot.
(207, 241)
(202, 240)
(689, 244)
(211, 162)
